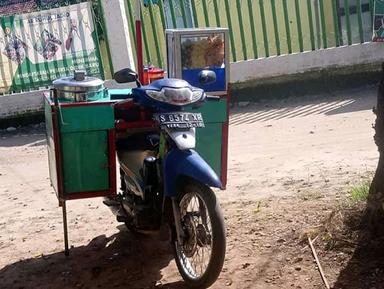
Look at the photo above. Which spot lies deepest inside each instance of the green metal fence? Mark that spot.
(258, 28)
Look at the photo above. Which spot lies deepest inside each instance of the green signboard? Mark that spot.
(38, 47)
(378, 25)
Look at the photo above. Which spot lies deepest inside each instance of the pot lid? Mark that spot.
(79, 82)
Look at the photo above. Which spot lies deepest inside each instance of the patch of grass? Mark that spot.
(310, 196)
(360, 192)
(257, 208)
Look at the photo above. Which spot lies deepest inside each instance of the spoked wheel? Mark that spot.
(201, 256)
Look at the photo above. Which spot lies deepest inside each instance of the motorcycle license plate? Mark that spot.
(180, 119)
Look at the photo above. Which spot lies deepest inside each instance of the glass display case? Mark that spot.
(189, 51)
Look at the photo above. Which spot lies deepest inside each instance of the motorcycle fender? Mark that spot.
(187, 163)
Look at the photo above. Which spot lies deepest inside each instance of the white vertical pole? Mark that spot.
(118, 34)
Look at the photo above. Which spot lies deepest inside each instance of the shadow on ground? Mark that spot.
(365, 268)
(24, 136)
(124, 260)
(342, 102)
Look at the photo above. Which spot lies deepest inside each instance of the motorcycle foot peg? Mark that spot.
(121, 219)
(111, 202)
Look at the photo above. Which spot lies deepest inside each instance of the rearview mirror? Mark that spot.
(207, 77)
(125, 75)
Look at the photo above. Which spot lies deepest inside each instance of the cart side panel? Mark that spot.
(86, 117)
(208, 145)
(88, 164)
(50, 143)
(209, 140)
(85, 161)
(213, 111)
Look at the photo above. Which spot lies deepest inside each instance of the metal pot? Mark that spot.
(79, 88)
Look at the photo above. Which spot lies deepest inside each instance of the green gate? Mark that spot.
(258, 28)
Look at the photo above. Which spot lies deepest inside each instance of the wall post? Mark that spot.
(116, 23)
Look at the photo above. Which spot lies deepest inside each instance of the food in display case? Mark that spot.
(202, 52)
(190, 51)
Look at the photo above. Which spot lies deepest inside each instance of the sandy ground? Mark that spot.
(290, 161)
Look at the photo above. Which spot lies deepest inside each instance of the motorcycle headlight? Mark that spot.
(176, 96)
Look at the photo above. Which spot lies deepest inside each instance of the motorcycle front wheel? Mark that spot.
(201, 256)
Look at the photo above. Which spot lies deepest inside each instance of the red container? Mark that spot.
(151, 74)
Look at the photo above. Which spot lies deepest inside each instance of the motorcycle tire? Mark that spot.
(215, 239)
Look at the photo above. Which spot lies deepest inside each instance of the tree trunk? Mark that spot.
(375, 209)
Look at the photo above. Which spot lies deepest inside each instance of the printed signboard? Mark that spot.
(378, 24)
(38, 47)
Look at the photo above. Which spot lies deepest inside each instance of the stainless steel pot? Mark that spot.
(79, 88)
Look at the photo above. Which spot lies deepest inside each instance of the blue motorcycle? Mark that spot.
(165, 183)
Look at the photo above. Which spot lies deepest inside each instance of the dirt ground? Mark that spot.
(291, 163)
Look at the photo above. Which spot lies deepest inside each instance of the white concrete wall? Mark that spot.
(21, 103)
(243, 71)
(118, 34)
(307, 61)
